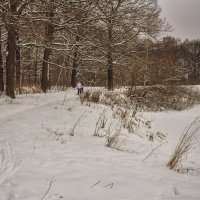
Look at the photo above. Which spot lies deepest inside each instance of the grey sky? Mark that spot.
(184, 16)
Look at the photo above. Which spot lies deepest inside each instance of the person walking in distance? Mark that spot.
(82, 86)
(79, 87)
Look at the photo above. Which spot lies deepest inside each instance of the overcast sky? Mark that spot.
(184, 16)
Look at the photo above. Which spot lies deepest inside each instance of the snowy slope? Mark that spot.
(40, 160)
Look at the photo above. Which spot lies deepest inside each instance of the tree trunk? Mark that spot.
(1, 67)
(11, 51)
(18, 66)
(110, 59)
(49, 30)
(10, 63)
(75, 63)
(36, 67)
(110, 71)
(45, 70)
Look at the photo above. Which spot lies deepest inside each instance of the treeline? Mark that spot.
(45, 43)
(168, 61)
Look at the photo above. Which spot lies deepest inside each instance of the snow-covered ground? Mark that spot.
(40, 160)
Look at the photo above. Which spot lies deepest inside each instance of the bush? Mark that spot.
(113, 135)
(29, 90)
(152, 98)
(91, 96)
(157, 98)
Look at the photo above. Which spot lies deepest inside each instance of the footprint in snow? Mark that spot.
(176, 190)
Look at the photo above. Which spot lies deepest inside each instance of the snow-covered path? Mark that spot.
(34, 159)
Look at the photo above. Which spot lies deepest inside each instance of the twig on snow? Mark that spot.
(50, 184)
(95, 184)
(153, 151)
(109, 185)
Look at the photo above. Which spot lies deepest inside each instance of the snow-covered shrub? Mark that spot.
(123, 108)
(101, 123)
(150, 98)
(105, 97)
(158, 98)
(91, 96)
(29, 90)
(186, 143)
(115, 99)
(113, 134)
(127, 118)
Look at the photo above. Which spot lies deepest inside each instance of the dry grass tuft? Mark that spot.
(113, 134)
(91, 96)
(185, 144)
(100, 124)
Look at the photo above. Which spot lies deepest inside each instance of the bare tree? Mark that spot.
(11, 49)
(56, 39)
(191, 58)
(10, 15)
(49, 31)
(1, 66)
(18, 64)
(75, 61)
(81, 18)
(121, 22)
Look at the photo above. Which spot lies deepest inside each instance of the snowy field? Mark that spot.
(40, 160)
